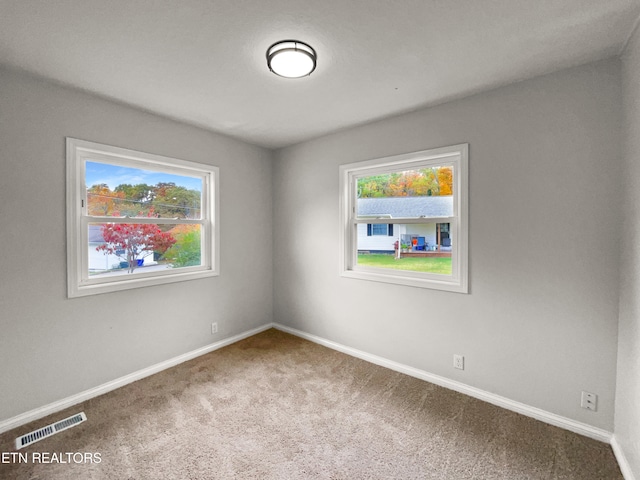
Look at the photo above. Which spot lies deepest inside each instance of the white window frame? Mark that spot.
(78, 281)
(456, 156)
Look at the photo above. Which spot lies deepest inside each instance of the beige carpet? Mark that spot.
(278, 407)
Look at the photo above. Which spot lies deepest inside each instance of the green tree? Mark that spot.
(186, 251)
(174, 201)
(374, 186)
(166, 199)
(141, 192)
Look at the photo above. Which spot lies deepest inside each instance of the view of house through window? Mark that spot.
(418, 247)
(404, 219)
(133, 193)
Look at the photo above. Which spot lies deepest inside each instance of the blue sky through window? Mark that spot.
(114, 175)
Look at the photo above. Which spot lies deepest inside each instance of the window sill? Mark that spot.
(399, 278)
(126, 284)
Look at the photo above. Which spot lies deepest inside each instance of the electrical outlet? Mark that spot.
(458, 362)
(214, 328)
(589, 401)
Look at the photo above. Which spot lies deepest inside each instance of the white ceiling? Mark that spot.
(203, 61)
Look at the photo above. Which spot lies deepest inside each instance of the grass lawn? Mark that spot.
(414, 264)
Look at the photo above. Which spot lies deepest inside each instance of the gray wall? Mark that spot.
(52, 347)
(540, 323)
(628, 384)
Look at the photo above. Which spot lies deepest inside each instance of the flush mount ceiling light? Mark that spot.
(291, 59)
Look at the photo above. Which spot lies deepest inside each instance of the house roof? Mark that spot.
(399, 207)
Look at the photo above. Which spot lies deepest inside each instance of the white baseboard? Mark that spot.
(529, 411)
(538, 414)
(623, 463)
(54, 407)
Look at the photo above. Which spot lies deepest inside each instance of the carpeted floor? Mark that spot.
(277, 407)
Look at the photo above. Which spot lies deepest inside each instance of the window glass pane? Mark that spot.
(426, 192)
(119, 191)
(128, 248)
(423, 248)
(379, 229)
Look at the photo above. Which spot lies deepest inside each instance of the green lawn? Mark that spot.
(414, 264)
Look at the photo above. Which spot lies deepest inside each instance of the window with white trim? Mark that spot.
(379, 229)
(404, 219)
(136, 219)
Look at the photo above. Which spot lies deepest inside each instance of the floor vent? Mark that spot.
(49, 430)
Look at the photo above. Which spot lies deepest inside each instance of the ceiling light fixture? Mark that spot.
(291, 59)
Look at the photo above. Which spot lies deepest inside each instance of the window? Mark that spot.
(379, 229)
(404, 219)
(135, 219)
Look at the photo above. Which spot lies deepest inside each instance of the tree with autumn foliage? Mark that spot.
(101, 201)
(167, 200)
(135, 240)
(434, 181)
(445, 181)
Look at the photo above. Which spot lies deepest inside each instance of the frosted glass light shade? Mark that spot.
(291, 59)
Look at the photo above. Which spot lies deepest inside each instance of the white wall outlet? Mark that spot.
(589, 401)
(214, 328)
(458, 362)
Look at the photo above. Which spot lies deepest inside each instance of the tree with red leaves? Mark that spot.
(134, 239)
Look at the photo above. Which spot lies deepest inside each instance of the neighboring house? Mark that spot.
(381, 238)
(98, 260)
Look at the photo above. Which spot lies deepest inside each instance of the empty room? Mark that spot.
(353, 239)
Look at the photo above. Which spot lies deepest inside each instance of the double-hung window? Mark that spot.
(403, 219)
(136, 219)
